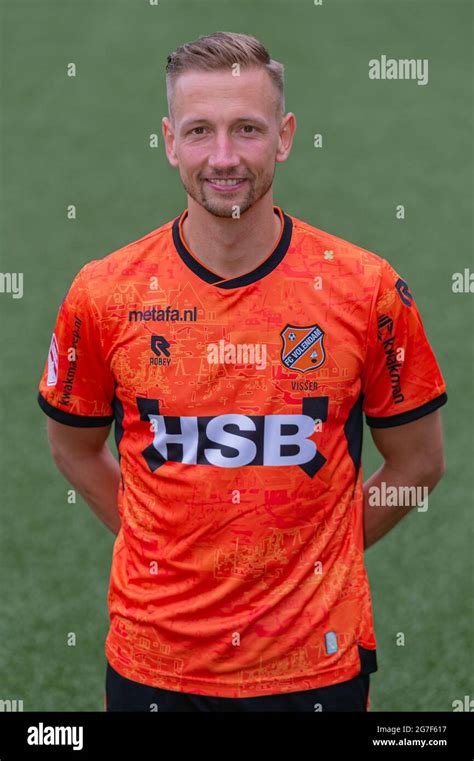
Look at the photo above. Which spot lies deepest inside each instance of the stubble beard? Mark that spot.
(226, 207)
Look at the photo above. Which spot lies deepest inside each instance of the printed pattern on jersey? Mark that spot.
(238, 411)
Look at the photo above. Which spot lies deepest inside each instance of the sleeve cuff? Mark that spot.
(407, 417)
(67, 418)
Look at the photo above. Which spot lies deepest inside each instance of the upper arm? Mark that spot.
(401, 378)
(77, 387)
(416, 445)
(75, 440)
(403, 388)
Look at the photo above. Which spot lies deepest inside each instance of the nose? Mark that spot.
(223, 153)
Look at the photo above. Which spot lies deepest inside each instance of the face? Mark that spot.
(225, 127)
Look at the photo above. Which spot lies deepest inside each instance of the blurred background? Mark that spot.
(84, 140)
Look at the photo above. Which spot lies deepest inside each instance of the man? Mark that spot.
(235, 348)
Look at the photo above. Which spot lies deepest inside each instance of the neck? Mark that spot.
(231, 247)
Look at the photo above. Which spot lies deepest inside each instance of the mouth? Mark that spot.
(227, 185)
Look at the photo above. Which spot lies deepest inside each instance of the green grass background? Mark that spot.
(85, 141)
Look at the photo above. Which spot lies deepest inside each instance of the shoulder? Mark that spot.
(347, 255)
(125, 263)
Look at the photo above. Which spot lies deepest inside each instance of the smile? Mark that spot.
(225, 185)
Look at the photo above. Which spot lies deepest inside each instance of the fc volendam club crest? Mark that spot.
(303, 348)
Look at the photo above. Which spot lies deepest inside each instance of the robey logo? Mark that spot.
(234, 440)
(160, 346)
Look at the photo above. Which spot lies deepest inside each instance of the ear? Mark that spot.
(168, 137)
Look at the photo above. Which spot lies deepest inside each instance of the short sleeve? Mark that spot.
(77, 386)
(401, 379)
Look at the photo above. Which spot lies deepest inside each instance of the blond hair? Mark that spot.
(221, 50)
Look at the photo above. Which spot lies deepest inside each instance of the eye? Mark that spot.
(245, 127)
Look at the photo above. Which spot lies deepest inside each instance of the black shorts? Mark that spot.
(122, 694)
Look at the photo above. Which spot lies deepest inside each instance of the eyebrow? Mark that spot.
(195, 120)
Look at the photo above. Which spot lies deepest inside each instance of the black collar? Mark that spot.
(249, 277)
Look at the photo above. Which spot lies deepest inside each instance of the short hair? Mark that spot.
(221, 50)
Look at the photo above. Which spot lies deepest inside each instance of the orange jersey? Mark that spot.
(238, 408)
